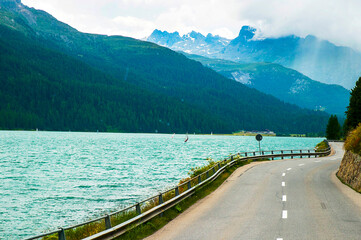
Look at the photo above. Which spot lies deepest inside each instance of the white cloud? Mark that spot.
(136, 26)
(203, 16)
(334, 20)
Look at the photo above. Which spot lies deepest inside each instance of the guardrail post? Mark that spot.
(301, 153)
(272, 154)
(176, 190)
(160, 198)
(254, 153)
(207, 174)
(189, 185)
(137, 209)
(245, 154)
(309, 155)
(262, 152)
(61, 234)
(199, 179)
(232, 158)
(107, 222)
(214, 169)
(291, 153)
(219, 166)
(282, 154)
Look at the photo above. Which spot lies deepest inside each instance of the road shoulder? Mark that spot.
(354, 196)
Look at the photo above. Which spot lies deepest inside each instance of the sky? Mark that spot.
(338, 21)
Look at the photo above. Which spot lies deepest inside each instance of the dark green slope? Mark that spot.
(283, 83)
(167, 73)
(164, 71)
(44, 89)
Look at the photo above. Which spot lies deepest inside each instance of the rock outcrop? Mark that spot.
(350, 170)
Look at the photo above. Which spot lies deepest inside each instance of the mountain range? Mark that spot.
(193, 42)
(284, 83)
(54, 77)
(318, 59)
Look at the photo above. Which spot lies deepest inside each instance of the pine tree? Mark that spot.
(353, 112)
(333, 130)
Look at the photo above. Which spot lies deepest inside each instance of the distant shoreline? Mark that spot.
(238, 134)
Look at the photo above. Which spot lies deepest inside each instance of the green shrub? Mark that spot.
(321, 147)
(353, 140)
(199, 170)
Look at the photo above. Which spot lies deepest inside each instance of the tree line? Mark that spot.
(353, 116)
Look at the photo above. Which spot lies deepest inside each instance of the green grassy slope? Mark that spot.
(283, 83)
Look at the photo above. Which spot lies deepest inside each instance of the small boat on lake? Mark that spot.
(186, 138)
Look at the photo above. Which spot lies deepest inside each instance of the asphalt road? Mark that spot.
(288, 199)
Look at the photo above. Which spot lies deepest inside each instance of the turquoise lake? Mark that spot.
(57, 179)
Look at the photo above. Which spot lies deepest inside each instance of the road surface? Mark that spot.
(281, 200)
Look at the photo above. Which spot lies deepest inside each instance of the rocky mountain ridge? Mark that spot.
(318, 59)
(193, 42)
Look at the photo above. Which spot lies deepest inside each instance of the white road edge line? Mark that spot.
(283, 174)
(284, 198)
(283, 184)
(284, 214)
(289, 169)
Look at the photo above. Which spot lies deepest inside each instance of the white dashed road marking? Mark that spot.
(301, 164)
(284, 198)
(289, 169)
(283, 174)
(284, 214)
(283, 184)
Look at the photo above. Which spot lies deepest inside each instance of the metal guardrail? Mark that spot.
(143, 210)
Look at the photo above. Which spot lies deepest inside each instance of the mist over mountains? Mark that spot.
(284, 83)
(318, 59)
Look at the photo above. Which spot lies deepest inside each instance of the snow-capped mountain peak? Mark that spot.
(319, 59)
(193, 42)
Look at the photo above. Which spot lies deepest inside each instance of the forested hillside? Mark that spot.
(87, 82)
(44, 89)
